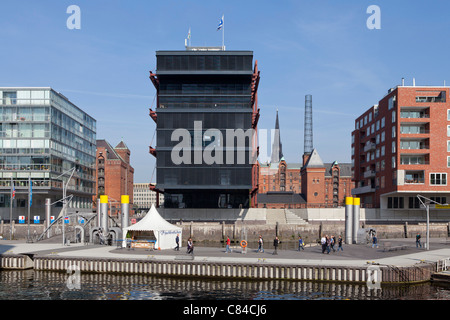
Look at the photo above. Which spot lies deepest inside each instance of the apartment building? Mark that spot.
(401, 148)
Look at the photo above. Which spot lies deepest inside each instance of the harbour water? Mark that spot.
(44, 285)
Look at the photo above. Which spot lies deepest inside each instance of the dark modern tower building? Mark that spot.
(206, 122)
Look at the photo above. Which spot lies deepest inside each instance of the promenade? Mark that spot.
(352, 256)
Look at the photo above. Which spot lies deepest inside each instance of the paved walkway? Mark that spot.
(353, 255)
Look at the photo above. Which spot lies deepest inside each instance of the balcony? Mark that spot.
(370, 174)
(361, 190)
(370, 147)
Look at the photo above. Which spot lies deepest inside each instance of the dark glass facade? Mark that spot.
(207, 96)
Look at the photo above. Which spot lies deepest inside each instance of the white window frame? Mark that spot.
(440, 173)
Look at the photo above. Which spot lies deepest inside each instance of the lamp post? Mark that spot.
(71, 171)
(427, 206)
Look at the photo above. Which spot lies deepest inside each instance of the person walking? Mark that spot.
(374, 241)
(227, 249)
(339, 241)
(323, 241)
(276, 242)
(300, 244)
(177, 241)
(332, 242)
(328, 244)
(418, 244)
(260, 244)
(190, 246)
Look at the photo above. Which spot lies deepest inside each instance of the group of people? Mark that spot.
(190, 245)
(328, 243)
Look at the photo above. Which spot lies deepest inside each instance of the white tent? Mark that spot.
(164, 232)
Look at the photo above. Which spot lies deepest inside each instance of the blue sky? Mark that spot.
(323, 48)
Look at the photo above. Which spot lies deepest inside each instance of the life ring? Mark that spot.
(243, 243)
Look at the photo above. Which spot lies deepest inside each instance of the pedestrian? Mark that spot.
(228, 242)
(374, 241)
(190, 246)
(328, 244)
(339, 241)
(418, 244)
(276, 242)
(332, 242)
(300, 244)
(323, 241)
(260, 244)
(177, 241)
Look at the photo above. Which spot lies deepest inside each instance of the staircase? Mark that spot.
(293, 218)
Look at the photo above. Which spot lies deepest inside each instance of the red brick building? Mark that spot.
(114, 173)
(401, 148)
(311, 183)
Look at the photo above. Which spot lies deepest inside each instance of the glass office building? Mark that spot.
(44, 135)
(204, 96)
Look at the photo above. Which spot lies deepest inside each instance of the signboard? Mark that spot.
(442, 206)
(52, 219)
(66, 220)
(81, 220)
(21, 219)
(36, 219)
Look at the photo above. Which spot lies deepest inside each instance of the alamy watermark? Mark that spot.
(215, 146)
(74, 280)
(74, 20)
(374, 21)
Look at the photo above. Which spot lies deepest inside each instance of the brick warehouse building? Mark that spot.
(401, 148)
(311, 183)
(114, 173)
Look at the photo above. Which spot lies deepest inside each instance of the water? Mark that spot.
(43, 285)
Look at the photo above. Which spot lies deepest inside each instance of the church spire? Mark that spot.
(277, 148)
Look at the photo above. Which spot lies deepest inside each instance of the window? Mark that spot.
(396, 203)
(448, 131)
(373, 127)
(370, 116)
(383, 120)
(448, 162)
(357, 125)
(393, 116)
(438, 179)
(382, 183)
(383, 150)
(383, 164)
(377, 139)
(365, 120)
(368, 131)
(448, 146)
(448, 114)
(391, 102)
(414, 203)
(378, 124)
(393, 146)
(393, 162)
(383, 136)
(394, 131)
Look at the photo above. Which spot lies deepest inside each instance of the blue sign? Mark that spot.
(66, 220)
(52, 219)
(81, 220)
(21, 219)
(37, 219)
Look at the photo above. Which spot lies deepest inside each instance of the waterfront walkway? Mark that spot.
(352, 256)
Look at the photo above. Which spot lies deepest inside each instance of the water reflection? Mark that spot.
(43, 285)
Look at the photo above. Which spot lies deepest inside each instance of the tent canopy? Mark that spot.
(164, 231)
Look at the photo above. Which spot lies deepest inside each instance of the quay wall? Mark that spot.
(224, 270)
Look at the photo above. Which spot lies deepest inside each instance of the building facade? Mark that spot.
(206, 116)
(44, 137)
(144, 197)
(115, 175)
(401, 148)
(311, 183)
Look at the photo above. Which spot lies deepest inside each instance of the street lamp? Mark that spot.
(71, 171)
(427, 206)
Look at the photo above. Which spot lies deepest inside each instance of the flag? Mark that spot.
(13, 190)
(189, 34)
(220, 26)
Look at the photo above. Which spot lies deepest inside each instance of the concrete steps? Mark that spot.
(293, 218)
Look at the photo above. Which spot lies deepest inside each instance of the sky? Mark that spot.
(323, 48)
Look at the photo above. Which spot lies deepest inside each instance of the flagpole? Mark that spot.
(223, 32)
(10, 209)
(29, 205)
